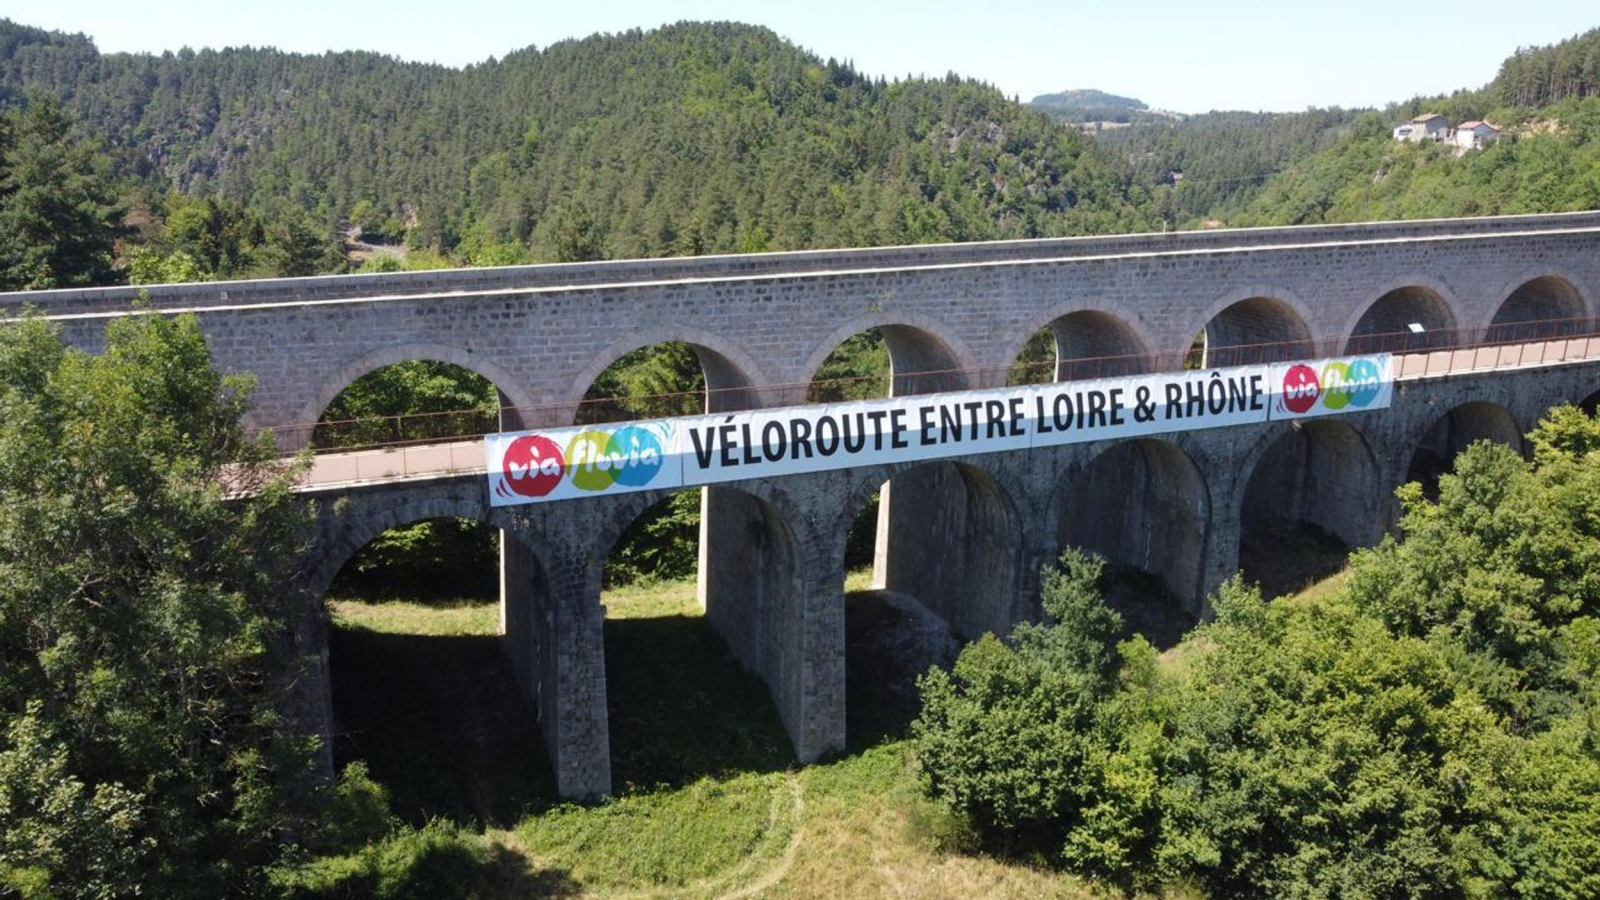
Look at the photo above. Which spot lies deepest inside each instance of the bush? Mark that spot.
(142, 621)
(1433, 731)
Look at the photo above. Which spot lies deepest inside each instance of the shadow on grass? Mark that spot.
(433, 862)
(1146, 606)
(682, 707)
(440, 724)
(1285, 558)
(885, 653)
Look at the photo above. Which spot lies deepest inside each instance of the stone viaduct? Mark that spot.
(965, 537)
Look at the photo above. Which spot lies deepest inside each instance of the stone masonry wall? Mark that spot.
(775, 565)
(543, 334)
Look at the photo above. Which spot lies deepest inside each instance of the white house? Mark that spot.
(1426, 127)
(1474, 135)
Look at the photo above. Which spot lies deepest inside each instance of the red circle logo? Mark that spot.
(1300, 389)
(533, 466)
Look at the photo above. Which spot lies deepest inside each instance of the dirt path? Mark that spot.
(751, 884)
(778, 870)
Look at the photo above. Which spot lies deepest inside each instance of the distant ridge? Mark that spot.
(1085, 105)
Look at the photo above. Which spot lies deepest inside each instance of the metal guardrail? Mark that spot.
(433, 459)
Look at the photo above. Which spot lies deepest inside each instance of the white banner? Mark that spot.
(565, 463)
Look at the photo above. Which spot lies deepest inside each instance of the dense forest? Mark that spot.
(701, 138)
(1336, 165)
(690, 139)
(1086, 106)
(1538, 76)
(1213, 161)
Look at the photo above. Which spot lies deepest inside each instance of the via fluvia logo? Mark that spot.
(1301, 388)
(631, 457)
(533, 465)
(1350, 384)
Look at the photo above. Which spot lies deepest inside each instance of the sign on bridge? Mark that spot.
(569, 463)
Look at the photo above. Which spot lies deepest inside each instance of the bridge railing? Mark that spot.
(1423, 354)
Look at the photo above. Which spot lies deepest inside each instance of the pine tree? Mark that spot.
(59, 218)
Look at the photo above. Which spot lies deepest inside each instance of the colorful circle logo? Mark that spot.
(1354, 384)
(640, 453)
(533, 466)
(1300, 389)
(1336, 387)
(631, 457)
(1365, 382)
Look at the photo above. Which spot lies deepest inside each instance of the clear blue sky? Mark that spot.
(1188, 56)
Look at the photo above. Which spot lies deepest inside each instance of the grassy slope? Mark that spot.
(740, 822)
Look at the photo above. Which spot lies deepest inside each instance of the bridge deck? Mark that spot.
(114, 301)
(422, 461)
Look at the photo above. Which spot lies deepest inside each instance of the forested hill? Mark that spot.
(1218, 160)
(691, 138)
(1334, 165)
(1536, 76)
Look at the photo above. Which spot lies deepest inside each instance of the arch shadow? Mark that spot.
(443, 721)
(1090, 342)
(753, 586)
(512, 392)
(1451, 433)
(1386, 324)
(924, 356)
(949, 536)
(1142, 504)
(1542, 304)
(1314, 492)
(1254, 325)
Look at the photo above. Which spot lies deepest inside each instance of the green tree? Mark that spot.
(410, 400)
(58, 215)
(295, 246)
(1030, 741)
(417, 400)
(146, 266)
(1431, 731)
(142, 622)
(572, 235)
(1502, 567)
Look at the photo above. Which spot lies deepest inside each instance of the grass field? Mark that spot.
(709, 803)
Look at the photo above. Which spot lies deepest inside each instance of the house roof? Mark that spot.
(1468, 126)
(1429, 117)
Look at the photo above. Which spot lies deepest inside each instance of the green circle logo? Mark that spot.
(589, 460)
(1336, 387)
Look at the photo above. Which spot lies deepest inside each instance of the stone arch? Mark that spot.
(527, 603)
(1254, 325)
(733, 377)
(1539, 305)
(331, 555)
(1591, 403)
(949, 535)
(1109, 344)
(924, 356)
(1314, 491)
(1384, 325)
(621, 510)
(1448, 435)
(756, 561)
(512, 393)
(1141, 503)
